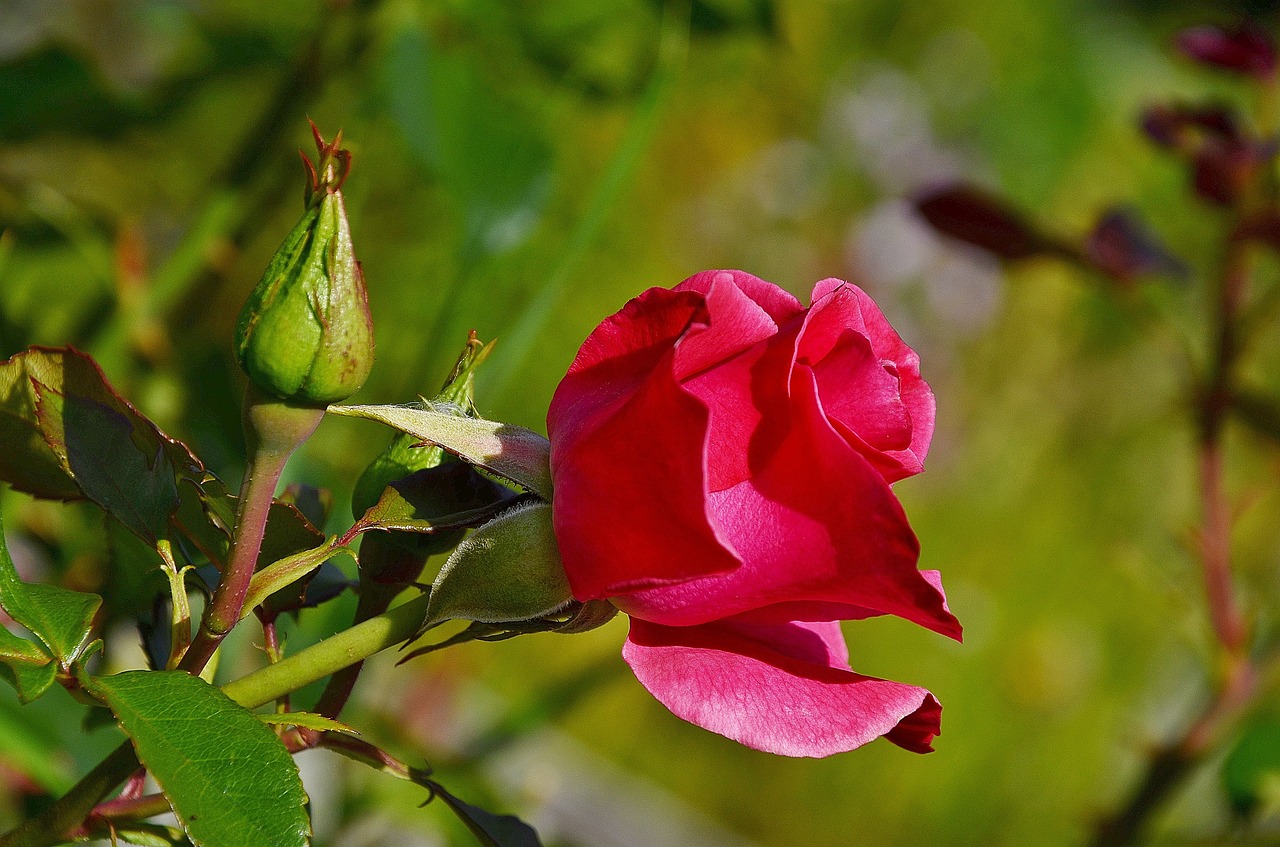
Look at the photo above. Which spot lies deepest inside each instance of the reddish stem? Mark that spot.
(1171, 763)
(273, 430)
(1215, 550)
(256, 493)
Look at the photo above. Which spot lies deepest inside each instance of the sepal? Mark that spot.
(508, 570)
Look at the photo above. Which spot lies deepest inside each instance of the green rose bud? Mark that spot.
(305, 334)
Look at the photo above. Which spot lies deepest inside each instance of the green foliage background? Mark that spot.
(522, 169)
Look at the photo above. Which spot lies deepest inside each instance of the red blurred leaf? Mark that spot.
(1247, 49)
(971, 215)
(1122, 246)
(1224, 158)
(1220, 172)
(1182, 126)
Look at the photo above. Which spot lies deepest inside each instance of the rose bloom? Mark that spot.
(721, 458)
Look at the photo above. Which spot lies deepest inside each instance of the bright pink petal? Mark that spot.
(860, 392)
(817, 524)
(860, 312)
(823, 611)
(736, 323)
(776, 688)
(738, 369)
(777, 302)
(630, 491)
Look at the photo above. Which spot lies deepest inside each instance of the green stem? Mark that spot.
(329, 656)
(374, 600)
(273, 430)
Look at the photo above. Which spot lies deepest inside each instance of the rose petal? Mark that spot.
(619, 355)
(735, 324)
(737, 368)
(770, 688)
(611, 455)
(889, 346)
(858, 391)
(777, 302)
(815, 524)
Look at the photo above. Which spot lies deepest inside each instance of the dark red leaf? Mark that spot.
(1247, 49)
(973, 216)
(1222, 171)
(1122, 246)
(1182, 127)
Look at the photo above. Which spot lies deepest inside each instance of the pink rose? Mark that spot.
(722, 458)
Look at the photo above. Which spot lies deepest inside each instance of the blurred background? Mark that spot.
(524, 168)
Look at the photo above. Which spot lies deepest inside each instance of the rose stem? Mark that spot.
(273, 430)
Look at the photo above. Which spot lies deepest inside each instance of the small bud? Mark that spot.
(305, 334)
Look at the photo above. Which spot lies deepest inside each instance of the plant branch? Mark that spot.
(374, 600)
(55, 823)
(329, 656)
(1170, 764)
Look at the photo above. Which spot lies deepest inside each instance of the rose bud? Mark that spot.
(305, 334)
(722, 459)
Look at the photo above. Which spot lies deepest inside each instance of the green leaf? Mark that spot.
(60, 618)
(489, 829)
(228, 777)
(314, 504)
(403, 455)
(117, 457)
(1251, 771)
(508, 570)
(511, 452)
(75, 437)
(306, 720)
(292, 552)
(206, 516)
(30, 681)
(282, 585)
(150, 835)
(14, 648)
(27, 462)
(134, 572)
